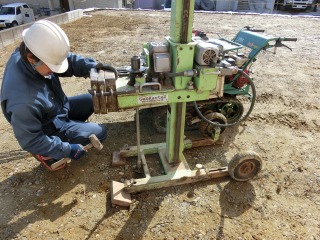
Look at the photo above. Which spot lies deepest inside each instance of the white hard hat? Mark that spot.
(48, 42)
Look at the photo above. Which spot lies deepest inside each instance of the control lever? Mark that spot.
(280, 44)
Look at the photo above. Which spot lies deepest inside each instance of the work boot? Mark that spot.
(47, 162)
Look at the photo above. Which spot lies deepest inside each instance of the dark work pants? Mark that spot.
(76, 130)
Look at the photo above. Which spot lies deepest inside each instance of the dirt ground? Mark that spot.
(282, 202)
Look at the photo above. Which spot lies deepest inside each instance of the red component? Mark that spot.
(241, 80)
(47, 162)
(199, 33)
(196, 32)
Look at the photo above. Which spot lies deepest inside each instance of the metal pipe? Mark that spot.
(177, 131)
(188, 73)
(138, 138)
(135, 63)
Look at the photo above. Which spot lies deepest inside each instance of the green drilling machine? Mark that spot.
(187, 81)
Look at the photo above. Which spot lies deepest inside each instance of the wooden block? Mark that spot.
(103, 103)
(102, 89)
(119, 196)
(117, 160)
(95, 89)
(95, 99)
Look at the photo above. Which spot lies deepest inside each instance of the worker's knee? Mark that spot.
(99, 130)
(81, 107)
(79, 132)
(102, 135)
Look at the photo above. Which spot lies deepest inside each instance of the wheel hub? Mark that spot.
(246, 169)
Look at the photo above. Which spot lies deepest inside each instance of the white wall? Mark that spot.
(80, 4)
(11, 35)
(74, 4)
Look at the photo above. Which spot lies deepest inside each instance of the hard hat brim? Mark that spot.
(60, 68)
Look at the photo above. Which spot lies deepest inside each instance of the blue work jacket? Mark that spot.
(32, 103)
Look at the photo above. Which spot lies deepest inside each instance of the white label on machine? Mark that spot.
(153, 99)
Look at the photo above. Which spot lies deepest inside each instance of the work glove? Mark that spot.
(76, 152)
(107, 67)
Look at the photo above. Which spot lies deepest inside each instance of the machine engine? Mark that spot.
(207, 54)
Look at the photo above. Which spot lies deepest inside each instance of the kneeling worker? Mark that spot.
(45, 121)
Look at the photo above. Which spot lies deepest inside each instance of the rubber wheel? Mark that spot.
(188, 125)
(159, 119)
(233, 111)
(14, 24)
(208, 129)
(244, 166)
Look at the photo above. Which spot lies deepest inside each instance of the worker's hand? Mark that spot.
(77, 151)
(107, 67)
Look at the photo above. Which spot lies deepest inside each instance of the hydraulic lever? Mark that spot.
(280, 44)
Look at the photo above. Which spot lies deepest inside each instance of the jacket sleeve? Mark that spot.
(27, 128)
(78, 66)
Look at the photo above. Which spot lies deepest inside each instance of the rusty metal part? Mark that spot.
(185, 21)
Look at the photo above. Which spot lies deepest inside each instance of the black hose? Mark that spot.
(241, 119)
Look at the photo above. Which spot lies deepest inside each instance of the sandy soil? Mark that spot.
(281, 203)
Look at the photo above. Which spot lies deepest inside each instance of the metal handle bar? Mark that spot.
(149, 84)
(289, 39)
(256, 30)
(252, 29)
